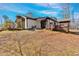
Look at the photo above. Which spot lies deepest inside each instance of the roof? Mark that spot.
(26, 17)
(18, 16)
(39, 18)
(30, 18)
(64, 21)
(51, 19)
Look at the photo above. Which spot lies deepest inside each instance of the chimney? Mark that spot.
(29, 14)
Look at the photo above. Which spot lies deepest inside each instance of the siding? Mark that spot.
(33, 23)
(38, 24)
(19, 23)
(29, 23)
(48, 25)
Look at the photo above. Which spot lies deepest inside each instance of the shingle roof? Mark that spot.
(42, 18)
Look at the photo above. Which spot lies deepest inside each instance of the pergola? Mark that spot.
(65, 24)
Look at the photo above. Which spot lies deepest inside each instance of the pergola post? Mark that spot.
(68, 26)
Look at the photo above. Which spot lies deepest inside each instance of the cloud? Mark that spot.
(50, 5)
(49, 12)
(42, 4)
(27, 9)
(24, 10)
(17, 9)
(12, 8)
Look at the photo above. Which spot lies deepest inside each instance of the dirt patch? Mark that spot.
(39, 42)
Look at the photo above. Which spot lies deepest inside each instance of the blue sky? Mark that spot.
(37, 9)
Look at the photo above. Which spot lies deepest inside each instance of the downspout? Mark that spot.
(68, 26)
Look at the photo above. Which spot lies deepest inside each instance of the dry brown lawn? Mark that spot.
(39, 42)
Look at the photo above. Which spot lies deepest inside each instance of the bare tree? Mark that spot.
(66, 11)
(1, 21)
(5, 17)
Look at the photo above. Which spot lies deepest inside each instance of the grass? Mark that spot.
(38, 43)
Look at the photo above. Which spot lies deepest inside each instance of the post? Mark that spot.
(68, 26)
(25, 24)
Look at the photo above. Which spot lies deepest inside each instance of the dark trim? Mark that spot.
(67, 21)
(31, 18)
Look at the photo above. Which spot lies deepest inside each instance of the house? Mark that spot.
(24, 22)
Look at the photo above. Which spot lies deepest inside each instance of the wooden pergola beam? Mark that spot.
(65, 21)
